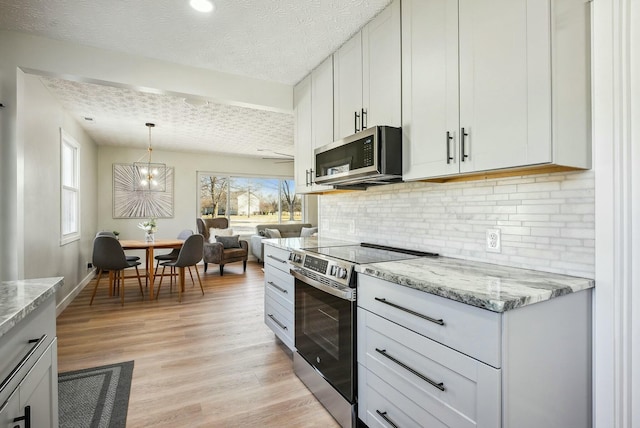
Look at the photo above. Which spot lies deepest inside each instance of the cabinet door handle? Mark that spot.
(364, 118)
(356, 116)
(439, 385)
(277, 259)
(306, 177)
(275, 320)
(277, 287)
(26, 418)
(311, 182)
(449, 138)
(23, 361)
(462, 149)
(426, 317)
(384, 416)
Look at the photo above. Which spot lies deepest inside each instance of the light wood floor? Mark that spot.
(209, 361)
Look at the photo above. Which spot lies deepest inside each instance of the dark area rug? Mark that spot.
(97, 397)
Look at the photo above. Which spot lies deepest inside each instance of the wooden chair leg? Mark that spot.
(199, 282)
(193, 283)
(96, 287)
(160, 283)
(221, 270)
(181, 283)
(244, 265)
(140, 282)
(122, 287)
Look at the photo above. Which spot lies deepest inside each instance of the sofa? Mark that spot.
(215, 252)
(289, 230)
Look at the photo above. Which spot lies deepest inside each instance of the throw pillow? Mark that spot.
(272, 233)
(306, 232)
(229, 241)
(213, 232)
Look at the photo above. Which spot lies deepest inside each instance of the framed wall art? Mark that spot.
(131, 202)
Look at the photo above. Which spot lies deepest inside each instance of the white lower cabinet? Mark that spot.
(29, 370)
(439, 386)
(421, 362)
(279, 294)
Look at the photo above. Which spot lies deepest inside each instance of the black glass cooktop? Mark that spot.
(369, 253)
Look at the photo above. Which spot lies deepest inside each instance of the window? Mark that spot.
(248, 201)
(69, 189)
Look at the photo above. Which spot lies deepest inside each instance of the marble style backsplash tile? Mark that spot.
(546, 221)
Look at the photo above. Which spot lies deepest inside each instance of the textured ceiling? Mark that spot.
(274, 40)
(119, 116)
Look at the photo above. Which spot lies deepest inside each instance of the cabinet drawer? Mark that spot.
(470, 330)
(279, 282)
(277, 257)
(15, 345)
(380, 404)
(279, 319)
(457, 390)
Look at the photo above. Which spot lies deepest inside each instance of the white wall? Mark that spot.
(40, 117)
(186, 167)
(546, 221)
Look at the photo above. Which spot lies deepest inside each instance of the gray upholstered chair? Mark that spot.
(190, 254)
(173, 255)
(113, 235)
(214, 252)
(108, 255)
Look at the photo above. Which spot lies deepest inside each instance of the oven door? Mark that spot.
(325, 335)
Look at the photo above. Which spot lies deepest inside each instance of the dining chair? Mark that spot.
(108, 255)
(173, 255)
(113, 235)
(189, 255)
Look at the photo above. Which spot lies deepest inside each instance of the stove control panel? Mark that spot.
(335, 270)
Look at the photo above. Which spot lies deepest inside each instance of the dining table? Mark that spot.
(149, 246)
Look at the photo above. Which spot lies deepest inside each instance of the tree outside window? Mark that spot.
(248, 201)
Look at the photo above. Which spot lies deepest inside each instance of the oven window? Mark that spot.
(325, 335)
(321, 323)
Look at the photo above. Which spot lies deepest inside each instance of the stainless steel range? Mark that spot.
(325, 320)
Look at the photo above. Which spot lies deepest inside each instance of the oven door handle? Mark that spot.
(344, 294)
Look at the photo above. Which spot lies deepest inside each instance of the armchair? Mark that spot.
(214, 252)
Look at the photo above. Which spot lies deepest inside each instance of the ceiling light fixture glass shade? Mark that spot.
(203, 6)
(149, 176)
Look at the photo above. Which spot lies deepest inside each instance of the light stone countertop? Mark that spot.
(487, 286)
(21, 297)
(307, 242)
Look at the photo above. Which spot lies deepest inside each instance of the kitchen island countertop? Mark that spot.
(493, 287)
(19, 298)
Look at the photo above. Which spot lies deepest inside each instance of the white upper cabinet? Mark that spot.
(367, 73)
(303, 161)
(313, 104)
(494, 84)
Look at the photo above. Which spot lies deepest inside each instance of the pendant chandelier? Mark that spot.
(149, 176)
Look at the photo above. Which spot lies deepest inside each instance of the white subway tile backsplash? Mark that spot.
(546, 221)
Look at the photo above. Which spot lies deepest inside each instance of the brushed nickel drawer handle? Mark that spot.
(386, 418)
(277, 259)
(426, 317)
(23, 361)
(439, 385)
(271, 283)
(275, 320)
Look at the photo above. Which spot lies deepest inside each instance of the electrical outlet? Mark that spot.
(493, 240)
(89, 265)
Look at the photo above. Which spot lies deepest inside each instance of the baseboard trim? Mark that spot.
(72, 295)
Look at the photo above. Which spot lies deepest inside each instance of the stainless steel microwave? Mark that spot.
(372, 156)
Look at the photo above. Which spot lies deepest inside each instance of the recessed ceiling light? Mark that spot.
(203, 6)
